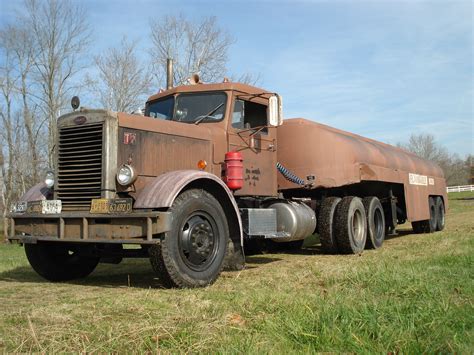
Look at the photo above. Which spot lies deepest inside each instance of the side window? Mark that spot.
(248, 115)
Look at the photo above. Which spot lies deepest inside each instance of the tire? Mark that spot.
(326, 225)
(60, 262)
(441, 214)
(350, 225)
(375, 222)
(192, 253)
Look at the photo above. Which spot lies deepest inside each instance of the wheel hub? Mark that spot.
(198, 241)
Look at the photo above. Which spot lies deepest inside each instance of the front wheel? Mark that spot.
(61, 261)
(192, 253)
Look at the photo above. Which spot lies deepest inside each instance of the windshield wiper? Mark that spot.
(201, 118)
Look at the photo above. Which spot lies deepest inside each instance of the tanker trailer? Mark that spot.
(349, 175)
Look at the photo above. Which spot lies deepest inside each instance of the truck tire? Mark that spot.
(192, 253)
(441, 214)
(327, 235)
(60, 262)
(375, 222)
(350, 225)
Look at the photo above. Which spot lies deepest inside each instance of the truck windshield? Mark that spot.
(190, 108)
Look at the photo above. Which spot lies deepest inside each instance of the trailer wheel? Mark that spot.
(192, 253)
(351, 225)
(441, 215)
(61, 262)
(327, 235)
(375, 222)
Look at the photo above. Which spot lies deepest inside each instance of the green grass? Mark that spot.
(413, 295)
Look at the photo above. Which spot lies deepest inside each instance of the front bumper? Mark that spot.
(134, 227)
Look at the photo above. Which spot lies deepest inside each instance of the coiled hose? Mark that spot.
(289, 175)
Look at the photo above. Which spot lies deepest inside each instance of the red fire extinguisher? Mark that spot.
(234, 170)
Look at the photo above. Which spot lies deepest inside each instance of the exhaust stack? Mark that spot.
(169, 73)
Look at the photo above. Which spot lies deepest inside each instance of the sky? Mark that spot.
(381, 69)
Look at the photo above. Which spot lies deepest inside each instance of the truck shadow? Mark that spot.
(137, 273)
(130, 273)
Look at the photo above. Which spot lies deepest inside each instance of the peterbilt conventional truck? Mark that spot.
(207, 171)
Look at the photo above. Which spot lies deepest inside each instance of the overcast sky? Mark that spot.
(382, 69)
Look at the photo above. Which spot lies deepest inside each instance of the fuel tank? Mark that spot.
(337, 158)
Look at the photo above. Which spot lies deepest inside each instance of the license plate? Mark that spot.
(111, 206)
(19, 207)
(44, 207)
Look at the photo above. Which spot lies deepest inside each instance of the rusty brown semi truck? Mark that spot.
(208, 170)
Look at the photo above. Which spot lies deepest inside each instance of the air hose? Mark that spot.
(289, 175)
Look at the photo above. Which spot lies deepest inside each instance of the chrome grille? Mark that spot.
(79, 166)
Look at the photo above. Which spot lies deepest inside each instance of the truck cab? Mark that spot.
(236, 118)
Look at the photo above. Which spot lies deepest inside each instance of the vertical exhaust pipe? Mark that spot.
(169, 73)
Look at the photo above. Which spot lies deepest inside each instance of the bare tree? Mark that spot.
(123, 79)
(18, 43)
(61, 35)
(195, 47)
(13, 146)
(425, 146)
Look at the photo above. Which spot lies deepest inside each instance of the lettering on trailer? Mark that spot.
(415, 179)
(430, 181)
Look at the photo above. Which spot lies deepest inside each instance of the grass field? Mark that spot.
(414, 295)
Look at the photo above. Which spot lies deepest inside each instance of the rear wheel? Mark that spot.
(327, 235)
(192, 253)
(61, 262)
(351, 225)
(441, 216)
(375, 222)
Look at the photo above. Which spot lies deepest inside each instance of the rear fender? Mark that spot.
(164, 189)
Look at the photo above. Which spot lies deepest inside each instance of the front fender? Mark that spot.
(164, 189)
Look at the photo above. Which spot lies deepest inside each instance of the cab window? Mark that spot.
(248, 115)
(189, 107)
(161, 109)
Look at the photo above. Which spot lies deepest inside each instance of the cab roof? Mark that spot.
(227, 86)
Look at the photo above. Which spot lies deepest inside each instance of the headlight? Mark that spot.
(49, 179)
(126, 175)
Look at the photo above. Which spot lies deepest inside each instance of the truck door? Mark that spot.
(250, 134)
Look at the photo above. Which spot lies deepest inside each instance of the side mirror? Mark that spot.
(275, 114)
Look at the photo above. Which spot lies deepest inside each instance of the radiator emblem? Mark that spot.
(129, 138)
(80, 120)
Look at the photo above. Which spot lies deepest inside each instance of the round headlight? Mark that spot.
(49, 179)
(126, 175)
